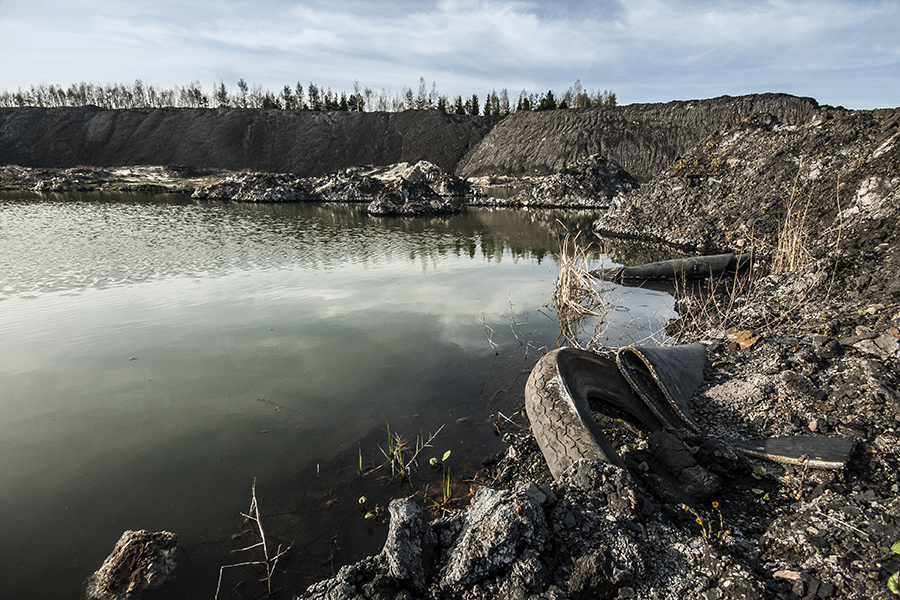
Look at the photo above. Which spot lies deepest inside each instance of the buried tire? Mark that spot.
(561, 421)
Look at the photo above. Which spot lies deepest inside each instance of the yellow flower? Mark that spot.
(715, 505)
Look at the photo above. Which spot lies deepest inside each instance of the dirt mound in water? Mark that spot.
(400, 189)
(589, 183)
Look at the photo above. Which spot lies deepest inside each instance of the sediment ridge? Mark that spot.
(304, 143)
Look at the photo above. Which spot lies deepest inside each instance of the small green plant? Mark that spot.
(763, 494)
(759, 472)
(439, 464)
(443, 503)
(401, 457)
(893, 581)
(706, 527)
(395, 454)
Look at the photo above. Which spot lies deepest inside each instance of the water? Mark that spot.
(158, 356)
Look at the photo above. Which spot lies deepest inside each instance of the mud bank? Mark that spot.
(806, 349)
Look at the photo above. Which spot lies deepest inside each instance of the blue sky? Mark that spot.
(840, 52)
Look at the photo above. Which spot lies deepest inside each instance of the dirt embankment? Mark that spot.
(643, 138)
(834, 184)
(303, 143)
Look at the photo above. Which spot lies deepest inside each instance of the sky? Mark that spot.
(840, 52)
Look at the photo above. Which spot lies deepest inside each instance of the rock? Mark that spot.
(799, 386)
(595, 576)
(140, 561)
(542, 494)
(441, 182)
(884, 346)
(72, 180)
(490, 537)
(698, 483)
(410, 547)
(347, 186)
(497, 538)
(607, 482)
(671, 452)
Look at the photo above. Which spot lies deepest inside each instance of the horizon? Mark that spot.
(394, 95)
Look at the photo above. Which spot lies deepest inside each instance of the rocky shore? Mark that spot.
(808, 345)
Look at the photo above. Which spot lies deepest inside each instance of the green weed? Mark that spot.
(441, 504)
(893, 581)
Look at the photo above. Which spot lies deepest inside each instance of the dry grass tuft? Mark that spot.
(577, 294)
(792, 253)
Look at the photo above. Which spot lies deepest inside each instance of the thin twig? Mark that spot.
(268, 563)
(489, 332)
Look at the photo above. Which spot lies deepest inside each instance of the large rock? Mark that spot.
(497, 539)
(490, 537)
(442, 182)
(140, 561)
(348, 185)
(410, 549)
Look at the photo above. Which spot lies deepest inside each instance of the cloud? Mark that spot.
(646, 50)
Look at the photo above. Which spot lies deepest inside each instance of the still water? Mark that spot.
(158, 356)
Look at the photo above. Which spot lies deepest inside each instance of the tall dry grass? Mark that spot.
(791, 253)
(577, 295)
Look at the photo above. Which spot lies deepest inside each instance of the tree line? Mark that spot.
(299, 97)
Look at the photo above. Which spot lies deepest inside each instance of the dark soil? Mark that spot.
(643, 138)
(305, 143)
(821, 359)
